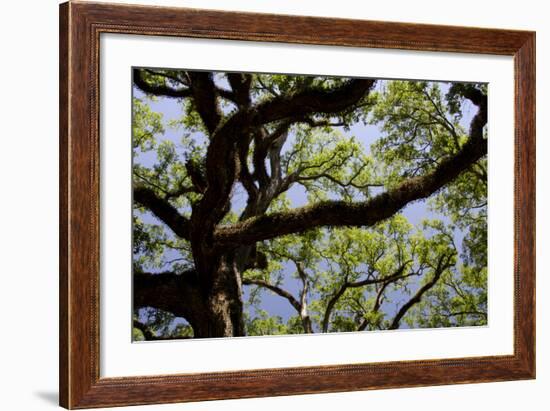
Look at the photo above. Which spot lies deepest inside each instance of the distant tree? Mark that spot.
(357, 262)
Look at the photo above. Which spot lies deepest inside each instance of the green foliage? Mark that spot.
(417, 129)
(146, 126)
(264, 324)
(158, 324)
(328, 164)
(137, 335)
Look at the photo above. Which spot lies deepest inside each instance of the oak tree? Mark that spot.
(216, 227)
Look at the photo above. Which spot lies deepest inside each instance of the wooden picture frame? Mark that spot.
(80, 27)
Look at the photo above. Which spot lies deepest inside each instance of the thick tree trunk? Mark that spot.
(221, 315)
(212, 310)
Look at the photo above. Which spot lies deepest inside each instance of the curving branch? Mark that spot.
(343, 184)
(340, 213)
(372, 211)
(276, 289)
(299, 306)
(163, 210)
(240, 86)
(268, 146)
(175, 293)
(330, 306)
(163, 90)
(311, 101)
(196, 175)
(205, 95)
(397, 275)
(222, 158)
(444, 262)
(222, 169)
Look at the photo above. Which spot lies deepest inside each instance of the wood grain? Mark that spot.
(63, 205)
(80, 27)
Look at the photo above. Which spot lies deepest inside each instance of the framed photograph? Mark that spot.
(259, 205)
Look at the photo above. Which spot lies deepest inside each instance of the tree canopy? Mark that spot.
(263, 186)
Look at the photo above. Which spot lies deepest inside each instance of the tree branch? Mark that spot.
(222, 160)
(443, 263)
(340, 213)
(196, 175)
(162, 90)
(269, 145)
(397, 275)
(277, 290)
(222, 169)
(460, 313)
(175, 78)
(175, 293)
(240, 84)
(205, 98)
(304, 315)
(314, 100)
(372, 211)
(342, 184)
(330, 306)
(163, 210)
(168, 194)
